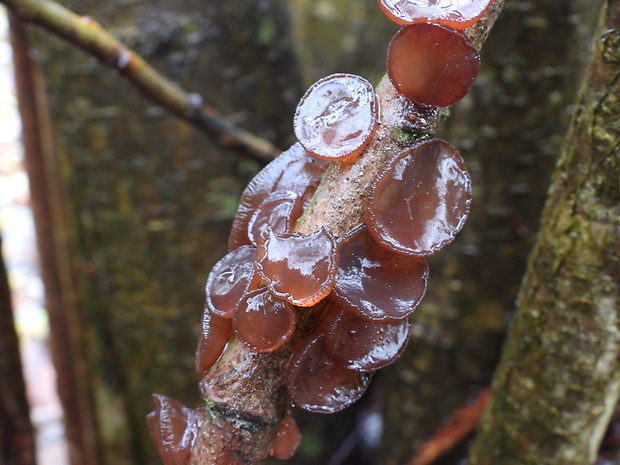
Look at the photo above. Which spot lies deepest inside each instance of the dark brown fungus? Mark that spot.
(262, 322)
(296, 268)
(457, 14)
(173, 429)
(287, 440)
(319, 384)
(421, 200)
(280, 210)
(215, 332)
(336, 116)
(432, 65)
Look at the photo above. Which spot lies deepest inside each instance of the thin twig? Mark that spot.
(87, 34)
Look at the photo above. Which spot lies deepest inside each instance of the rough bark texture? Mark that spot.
(559, 378)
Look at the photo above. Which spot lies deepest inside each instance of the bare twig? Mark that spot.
(87, 34)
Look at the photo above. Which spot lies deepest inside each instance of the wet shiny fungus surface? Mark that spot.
(287, 440)
(336, 117)
(421, 200)
(317, 383)
(376, 283)
(215, 332)
(280, 210)
(457, 14)
(432, 65)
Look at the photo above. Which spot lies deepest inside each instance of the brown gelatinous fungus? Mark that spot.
(262, 322)
(317, 383)
(287, 440)
(375, 283)
(215, 332)
(229, 279)
(280, 210)
(173, 429)
(294, 170)
(431, 65)
(421, 200)
(299, 269)
(457, 14)
(336, 116)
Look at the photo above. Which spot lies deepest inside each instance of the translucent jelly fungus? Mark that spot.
(214, 335)
(173, 429)
(287, 440)
(317, 383)
(280, 210)
(457, 14)
(419, 203)
(363, 345)
(336, 116)
(296, 268)
(432, 65)
(294, 170)
(262, 322)
(229, 279)
(377, 283)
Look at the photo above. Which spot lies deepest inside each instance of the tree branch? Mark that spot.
(88, 35)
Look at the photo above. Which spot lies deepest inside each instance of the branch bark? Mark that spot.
(559, 379)
(88, 35)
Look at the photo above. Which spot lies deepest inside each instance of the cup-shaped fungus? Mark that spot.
(375, 283)
(336, 116)
(421, 200)
(317, 383)
(215, 332)
(363, 345)
(432, 65)
(279, 211)
(262, 322)
(229, 279)
(299, 269)
(287, 439)
(294, 170)
(173, 429)
(457, 14)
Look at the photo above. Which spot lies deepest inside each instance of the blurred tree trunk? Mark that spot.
(144, 202)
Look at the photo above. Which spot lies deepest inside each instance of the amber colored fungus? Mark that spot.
(375, 283)
(336, 116)
(214, 335)
(294, 170)
(457, 14)
(262, 322)
(432, 65)
(280, 210)
(419, 203)
(287, 440)
(173, 429)
(229, 279)
(296, 268)
(317, 383)
(362, 345)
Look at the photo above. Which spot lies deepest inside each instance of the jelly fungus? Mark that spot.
(432, 65)
(262, 322)
(457, 14)
(375, 283)
(362, 345)
(294, 170)
(214, 335)
(419, 203)
(317, 383)
(336, 116)
(287, 440)
(173, 429)
(280, 210)
(229, 279)
(296, 268)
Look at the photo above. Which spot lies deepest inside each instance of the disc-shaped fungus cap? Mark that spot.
(174, 429)
(317, 383)
(421, 200)
(229, 279)
(363, 345)
(262, 322)
(294, 170)
(280, 210)
(296, 268)
(288, 438)
(457, 14)
(432, 65)
(376, 283)
(336, 116)
(215, 332)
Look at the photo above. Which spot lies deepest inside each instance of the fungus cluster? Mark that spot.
(370, 280)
